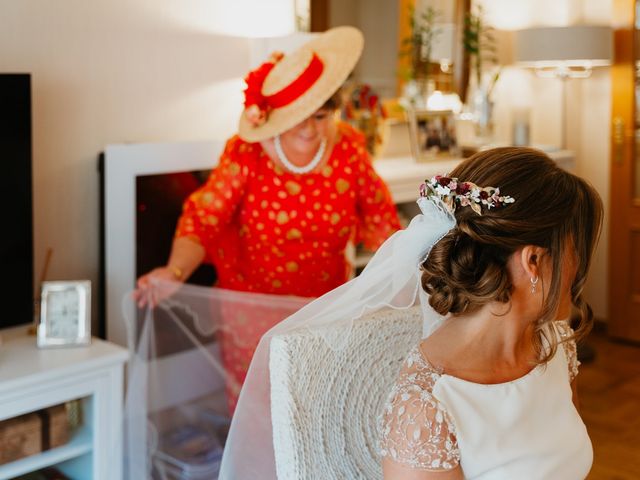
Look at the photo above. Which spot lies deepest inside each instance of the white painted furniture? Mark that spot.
(122, 166)
(403, 175)
(32, 379)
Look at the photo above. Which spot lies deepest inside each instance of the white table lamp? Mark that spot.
(565, 53)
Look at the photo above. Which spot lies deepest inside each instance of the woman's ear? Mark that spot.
(530, 257)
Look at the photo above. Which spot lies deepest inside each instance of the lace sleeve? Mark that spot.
(415, 430)
(569, 347)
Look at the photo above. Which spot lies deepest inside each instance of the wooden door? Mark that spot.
(319, 15)
(624, 209)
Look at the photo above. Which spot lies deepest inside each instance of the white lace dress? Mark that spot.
(524, 429)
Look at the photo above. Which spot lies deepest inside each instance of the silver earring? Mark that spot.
(534, 282)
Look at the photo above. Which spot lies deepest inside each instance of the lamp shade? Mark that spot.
(575, 45)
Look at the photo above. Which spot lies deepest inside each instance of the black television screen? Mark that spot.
(159, 200)
(16, 242)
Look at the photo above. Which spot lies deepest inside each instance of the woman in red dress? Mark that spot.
(291, 190)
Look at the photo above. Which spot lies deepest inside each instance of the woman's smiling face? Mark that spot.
(304, 139)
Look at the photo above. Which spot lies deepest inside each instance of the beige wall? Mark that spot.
(113, 71)
(378, 20)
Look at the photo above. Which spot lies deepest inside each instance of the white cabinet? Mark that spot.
(32, 379)
(403, 175)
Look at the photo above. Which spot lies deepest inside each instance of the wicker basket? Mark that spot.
(55, 426)
(20, 437)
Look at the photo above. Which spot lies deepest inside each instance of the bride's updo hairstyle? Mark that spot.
(468, 267)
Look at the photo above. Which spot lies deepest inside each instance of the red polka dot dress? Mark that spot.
(271, 231)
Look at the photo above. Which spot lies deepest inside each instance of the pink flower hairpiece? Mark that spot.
(255, 104)
(452, 193)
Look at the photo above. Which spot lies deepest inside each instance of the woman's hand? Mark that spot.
(153, 287)
(162, 282)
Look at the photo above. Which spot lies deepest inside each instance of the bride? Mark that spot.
(496, 260)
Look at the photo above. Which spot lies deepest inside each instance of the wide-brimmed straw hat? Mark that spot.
(299, 83)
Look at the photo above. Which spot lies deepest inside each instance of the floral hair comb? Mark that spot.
(453, 193)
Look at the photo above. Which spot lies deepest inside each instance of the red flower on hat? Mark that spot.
(255, 104)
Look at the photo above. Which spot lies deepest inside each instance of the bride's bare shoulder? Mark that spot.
(446, 348)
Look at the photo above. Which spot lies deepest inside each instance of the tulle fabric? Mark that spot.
(176, 411)
(177, 399)
(390, 280)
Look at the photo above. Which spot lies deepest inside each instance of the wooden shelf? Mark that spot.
(79, 445)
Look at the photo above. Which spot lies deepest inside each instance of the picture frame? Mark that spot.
(432, 134)
(65, 314)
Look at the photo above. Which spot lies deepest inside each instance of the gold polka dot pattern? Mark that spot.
(271, 231)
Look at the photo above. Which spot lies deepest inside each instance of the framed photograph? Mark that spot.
(432, 134)
(65, 314)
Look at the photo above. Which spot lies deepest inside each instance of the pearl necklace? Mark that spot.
(294, 168)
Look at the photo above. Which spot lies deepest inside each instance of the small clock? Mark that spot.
(65, 314)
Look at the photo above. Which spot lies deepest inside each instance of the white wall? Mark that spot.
(378, 20)
(113, 71)
(588, 107)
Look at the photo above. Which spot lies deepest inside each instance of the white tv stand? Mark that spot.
(32, 379)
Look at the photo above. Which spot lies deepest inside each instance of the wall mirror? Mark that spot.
(385, 24)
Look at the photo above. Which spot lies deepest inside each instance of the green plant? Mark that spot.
(418, 45)
(480, 43)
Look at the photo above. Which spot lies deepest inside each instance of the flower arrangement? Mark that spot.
(452, 193)
(363, 109)
(255, 104)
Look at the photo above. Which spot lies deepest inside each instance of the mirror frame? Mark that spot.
(319, 22)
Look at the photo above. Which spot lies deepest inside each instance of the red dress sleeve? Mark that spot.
(210, 209)
(377, 214)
